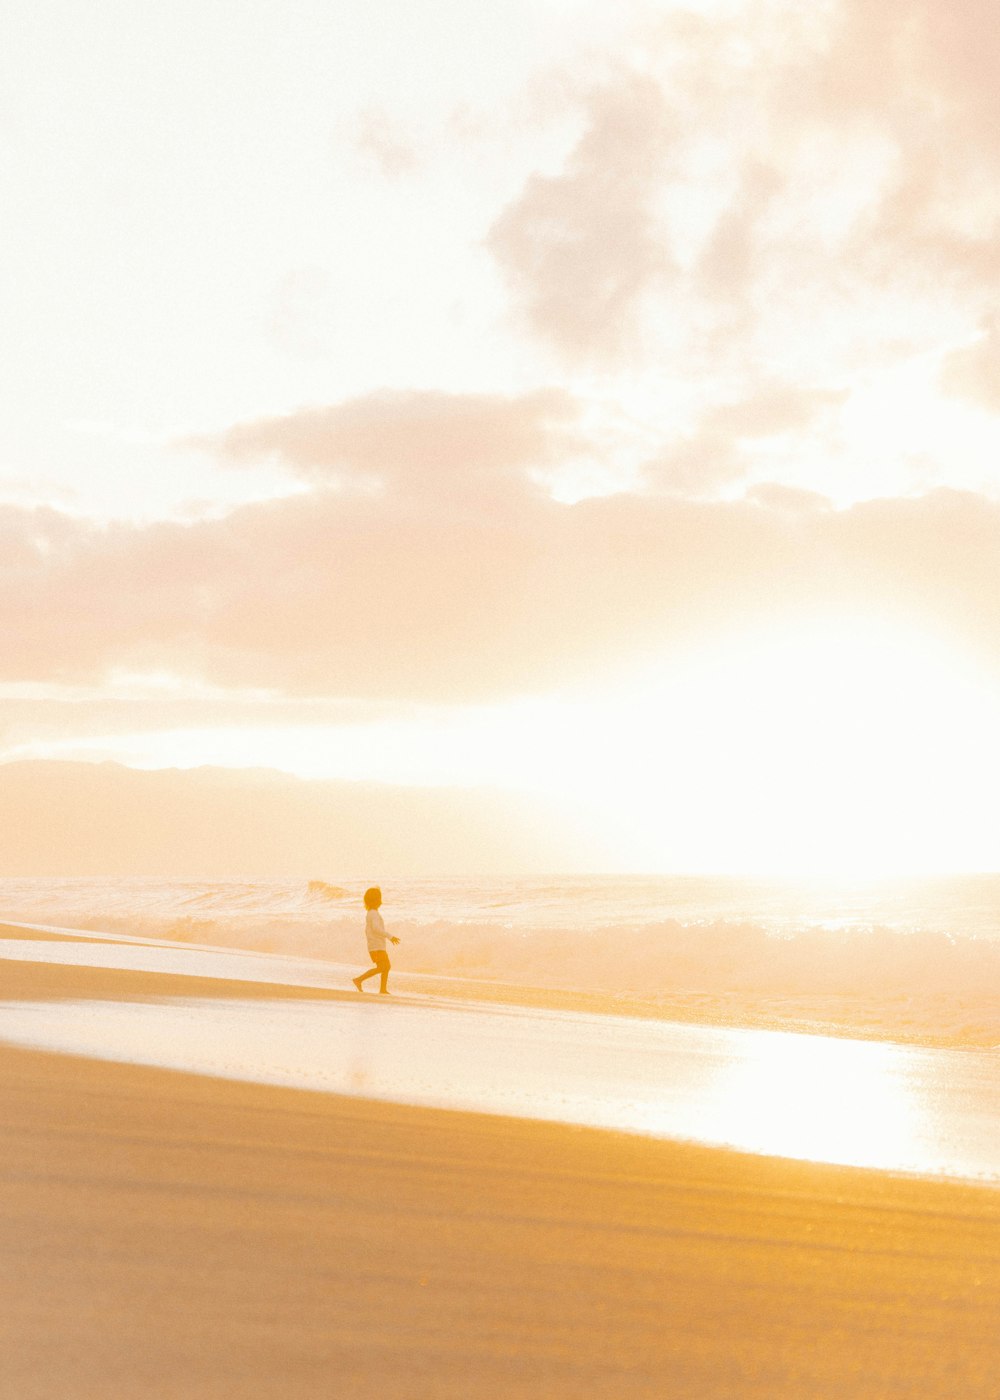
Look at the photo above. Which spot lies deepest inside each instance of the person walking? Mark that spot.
(376, 936)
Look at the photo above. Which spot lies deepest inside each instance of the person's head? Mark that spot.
(373, 897)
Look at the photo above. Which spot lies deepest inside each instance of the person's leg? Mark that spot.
(382, 961)
(372, 972)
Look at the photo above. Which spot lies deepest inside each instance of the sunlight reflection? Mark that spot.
(816, 1098)
(780, 1094)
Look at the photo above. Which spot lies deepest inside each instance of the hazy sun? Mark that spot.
(848, 745)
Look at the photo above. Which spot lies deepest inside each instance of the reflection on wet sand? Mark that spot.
(775, 1093)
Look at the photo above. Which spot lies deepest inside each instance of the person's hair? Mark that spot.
(373, 897)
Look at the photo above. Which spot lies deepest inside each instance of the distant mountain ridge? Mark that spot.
(64, 818)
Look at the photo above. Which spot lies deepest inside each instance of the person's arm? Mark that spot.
(391, 937)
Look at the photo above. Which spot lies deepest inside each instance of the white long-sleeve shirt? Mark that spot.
(375, 931)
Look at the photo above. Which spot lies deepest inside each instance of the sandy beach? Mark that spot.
(527, 472)
(173, 1235)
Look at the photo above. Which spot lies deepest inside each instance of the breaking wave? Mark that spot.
(604, 935)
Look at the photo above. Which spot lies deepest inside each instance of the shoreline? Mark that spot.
(182, 1237)
(171, 1235)
(833, 1015)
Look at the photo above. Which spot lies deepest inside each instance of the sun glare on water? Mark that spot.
(824, 1100)
(812, 1098)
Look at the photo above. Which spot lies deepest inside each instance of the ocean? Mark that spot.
(915, 959)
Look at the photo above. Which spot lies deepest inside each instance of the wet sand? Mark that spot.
(170, 1235)
(938, 1019)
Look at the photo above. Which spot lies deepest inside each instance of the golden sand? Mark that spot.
(172, 1236)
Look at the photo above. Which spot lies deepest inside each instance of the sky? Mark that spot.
(596, 402)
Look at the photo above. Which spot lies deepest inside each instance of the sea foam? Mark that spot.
(918, 956)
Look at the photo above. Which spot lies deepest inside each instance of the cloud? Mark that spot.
(581, 248)
(771, 410)
(973, 373)
(418, 444)
(787, 498)
(34, 717)
(695, 467)
(729, 260)
(360, 597)
(923, 74)
(712, 460)
(921, 44)
(381, 141)
(778, 187)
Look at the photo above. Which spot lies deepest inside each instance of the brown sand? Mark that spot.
(165, 1235)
